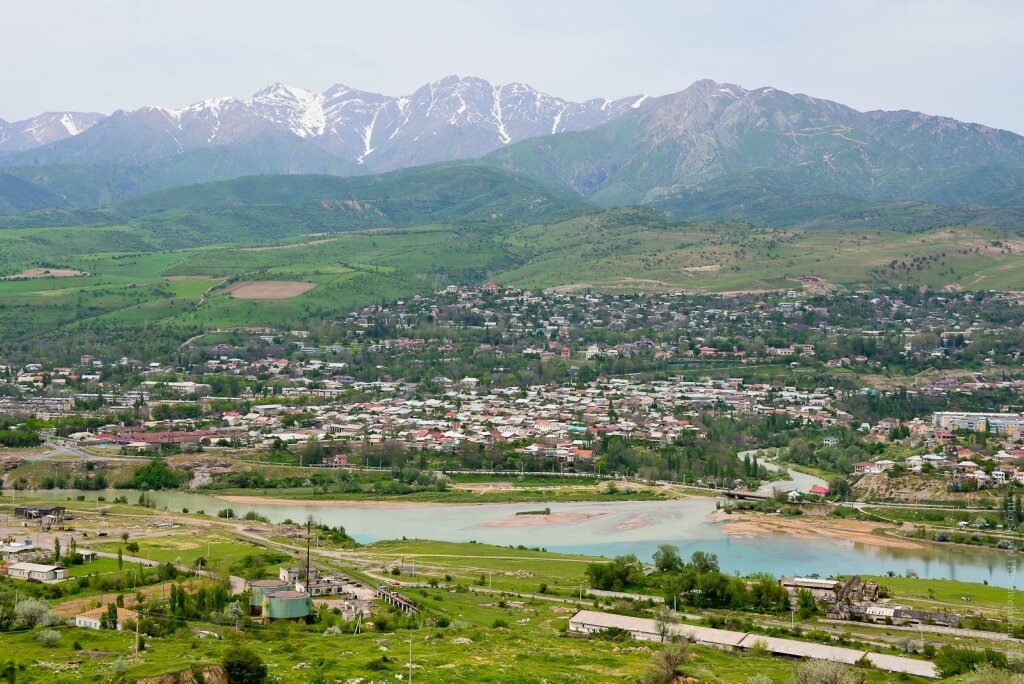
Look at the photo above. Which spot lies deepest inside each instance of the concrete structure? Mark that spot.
(324, 586)
(92, 619)
(823, 590)
(645, 629)
(399, 601)
(294, 574)
(37, 572)
(287, 605)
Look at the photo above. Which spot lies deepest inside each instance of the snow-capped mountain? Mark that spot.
(453, 118)
(49, 127)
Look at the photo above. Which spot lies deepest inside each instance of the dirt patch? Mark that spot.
(259, 500)
(710, 268)
(856, 531)
(483, 487)
(45, 273)
(269, 289)
(294, 245)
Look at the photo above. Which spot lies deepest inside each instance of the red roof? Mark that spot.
(818, 489)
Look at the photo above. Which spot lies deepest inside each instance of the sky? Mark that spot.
(963, 59)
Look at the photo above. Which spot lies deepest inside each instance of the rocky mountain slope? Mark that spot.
(716, 144)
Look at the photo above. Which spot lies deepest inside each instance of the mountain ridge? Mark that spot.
(713, 150)
(346, 122)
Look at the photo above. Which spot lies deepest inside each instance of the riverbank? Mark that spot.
(475, 494)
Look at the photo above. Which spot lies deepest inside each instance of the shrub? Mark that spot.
(759, 679)
(825, 672)
(48, 637)
(664, 665)
(243, 666)
(986, 674)
(954, 660)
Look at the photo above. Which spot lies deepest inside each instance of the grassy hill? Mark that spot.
(166, 262)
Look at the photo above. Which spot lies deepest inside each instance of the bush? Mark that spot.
(825, 672)
(48, 637)
(760, 679)
(986, 674)
(243, 666)
(664, 665)
(954, 660)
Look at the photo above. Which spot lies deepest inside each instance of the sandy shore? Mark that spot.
(810, 527)
(271, 501)
(636, 522)
(561, 518)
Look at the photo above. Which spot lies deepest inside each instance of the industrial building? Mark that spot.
(287, 605)
(645, 629)
(258, 589)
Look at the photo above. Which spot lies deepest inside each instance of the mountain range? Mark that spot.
(453, 118)
(711, 150)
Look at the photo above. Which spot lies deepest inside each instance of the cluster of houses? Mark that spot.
(953, 460)
(559, 420)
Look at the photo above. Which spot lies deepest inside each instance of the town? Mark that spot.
(891, 418)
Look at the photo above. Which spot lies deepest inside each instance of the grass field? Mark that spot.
(498, 644)
(184, 549)
(503, 567)
(962, 597)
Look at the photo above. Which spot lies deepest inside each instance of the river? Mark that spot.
(607, 529)
(801, 482)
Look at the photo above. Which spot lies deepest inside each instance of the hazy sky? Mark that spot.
(961, 59)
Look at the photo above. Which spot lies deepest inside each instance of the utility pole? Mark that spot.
(309, 527)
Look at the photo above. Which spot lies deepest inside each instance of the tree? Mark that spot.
(840, 488)
(32, 612)
(807, 605)
(243, 666)
(56, 549)
(704, 562)
(109, 618)
(120, 559)
(664, 619)
(234, 611)
(667, 558)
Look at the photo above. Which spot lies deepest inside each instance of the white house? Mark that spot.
(36, 571)
(91, 619)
